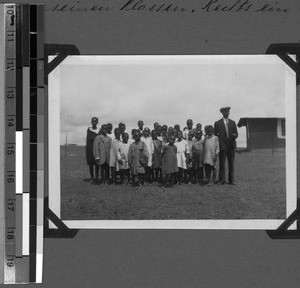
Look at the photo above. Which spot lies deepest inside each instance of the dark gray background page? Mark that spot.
(172, 258)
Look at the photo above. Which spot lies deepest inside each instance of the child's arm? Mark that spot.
(112, 156)
(119, 156)
(187, 153)
(235, 132)
(217, 149)
(152, 147)
(216, 129)
(96, 150)
(163, 151)
(145, 150)
(129, 155)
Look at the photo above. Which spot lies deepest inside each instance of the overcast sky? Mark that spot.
(164, 92)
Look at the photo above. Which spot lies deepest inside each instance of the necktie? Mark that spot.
(226, 127)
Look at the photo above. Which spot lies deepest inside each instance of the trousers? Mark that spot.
(228, 154)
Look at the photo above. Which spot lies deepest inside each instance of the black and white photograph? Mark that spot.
(201, 142)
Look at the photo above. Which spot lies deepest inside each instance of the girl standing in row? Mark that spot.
(92, 133)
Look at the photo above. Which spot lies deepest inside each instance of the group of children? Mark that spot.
(165, 155)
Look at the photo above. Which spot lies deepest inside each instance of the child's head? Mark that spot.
(104, 129)
(117, 133)
(165, 128)
(94, 122)
(171, 140)
(159, 130)
(155, 125)
(141, 124)
(191, 135)
(146, 132)
(137, 135)
(125, 137)
(199, 126)
(209, 130)
(109, 128)
(132, 132)
(177, 127)
(154, 134)
(122, 127)
(205, 129)
(164, 135)
(198, 134)
(179, 135)
(189, 124)
(170, 129)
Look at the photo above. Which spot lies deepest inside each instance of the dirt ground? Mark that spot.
(259, 193)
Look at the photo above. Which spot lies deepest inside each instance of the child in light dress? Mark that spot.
(211, 152)
(123, 159)
(183, 152)
(114, 162)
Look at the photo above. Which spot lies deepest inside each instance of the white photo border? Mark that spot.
(54, 186)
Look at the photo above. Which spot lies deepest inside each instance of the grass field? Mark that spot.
(259, 193)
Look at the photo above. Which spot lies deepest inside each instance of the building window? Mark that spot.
(281, 128)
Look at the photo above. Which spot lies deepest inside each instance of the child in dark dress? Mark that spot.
(159, 131)
(190, 174)
(169, 161)
(198, 153)
(91, 134)
(157, 157)
(150, 147)
(138, 159)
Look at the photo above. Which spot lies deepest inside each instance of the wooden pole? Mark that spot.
(272, 144)
(66, 144)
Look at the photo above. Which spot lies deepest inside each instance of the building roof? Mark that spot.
(274, 109)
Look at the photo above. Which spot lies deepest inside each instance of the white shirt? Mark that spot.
(150, 146)
(226, 121)
(94, 130)
(186, 133)
(182, 148)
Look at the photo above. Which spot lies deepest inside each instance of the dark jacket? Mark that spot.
(220, 131)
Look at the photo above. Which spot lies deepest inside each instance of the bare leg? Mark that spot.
(91, 169)
(133, 180)
(172, 176)
(96, 173)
